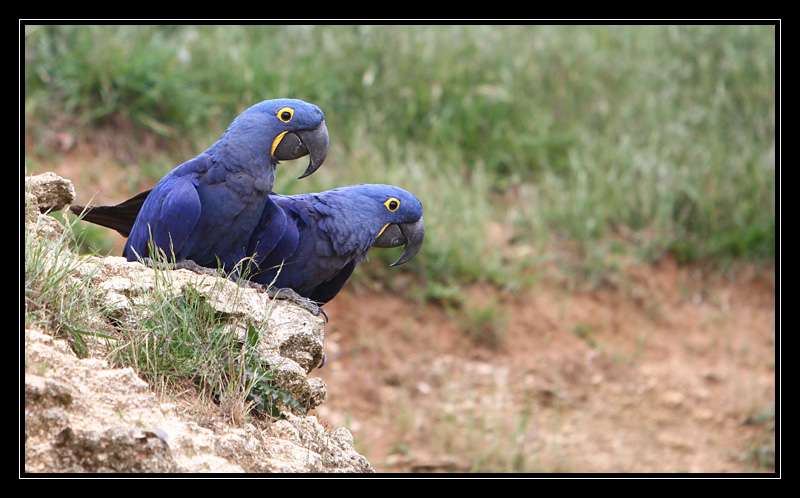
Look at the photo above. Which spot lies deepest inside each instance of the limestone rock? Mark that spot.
(83, 416)
(43, 193)
(52, 192)
(292, 346)
(296, 444)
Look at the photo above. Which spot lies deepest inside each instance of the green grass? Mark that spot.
(172, 340)
(89, 238)
(661, 138)
(58, 297)
(183, 338)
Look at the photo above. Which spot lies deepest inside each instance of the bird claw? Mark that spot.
(186, 264)
(292, 296)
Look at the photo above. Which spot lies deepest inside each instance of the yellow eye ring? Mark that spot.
(392, 204)
(285, 114)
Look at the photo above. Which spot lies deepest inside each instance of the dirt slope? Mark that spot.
(672, 373)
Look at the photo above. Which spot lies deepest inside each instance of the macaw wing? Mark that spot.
(275, 241)
(330, 257)
(170, 214)
(269, 232)
(328, 290)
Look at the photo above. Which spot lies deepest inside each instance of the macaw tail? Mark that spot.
(120, 217)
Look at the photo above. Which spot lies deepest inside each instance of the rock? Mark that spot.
(296, 444)
(43, 193)
(292, 347)
(344, 436)
(83, 416)
(335, 450)
(52, 193)
(49, 227)
(31, 208)
(112, 450)
(47, 391)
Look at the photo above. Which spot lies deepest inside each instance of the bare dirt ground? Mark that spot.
(673, 373)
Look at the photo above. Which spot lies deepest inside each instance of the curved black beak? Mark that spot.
(409, 234)
(297, 144)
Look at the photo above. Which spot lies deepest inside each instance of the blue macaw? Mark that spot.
(311, 243)
(206, 209)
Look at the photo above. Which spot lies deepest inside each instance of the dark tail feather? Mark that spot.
(120, 217)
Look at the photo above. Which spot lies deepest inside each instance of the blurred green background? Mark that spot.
(580, 146)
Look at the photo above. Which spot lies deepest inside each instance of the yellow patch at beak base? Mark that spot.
(277, 142)
(383, 230)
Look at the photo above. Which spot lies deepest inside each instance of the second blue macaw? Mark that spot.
(311, 243)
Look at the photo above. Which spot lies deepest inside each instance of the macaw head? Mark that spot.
(281, 130)
(387, 215)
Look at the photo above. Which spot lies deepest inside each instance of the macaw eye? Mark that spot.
(285, 114)
(392, 204)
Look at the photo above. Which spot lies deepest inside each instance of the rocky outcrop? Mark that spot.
(292, 348)
(84, 415)
(44, 193)
(50, 191)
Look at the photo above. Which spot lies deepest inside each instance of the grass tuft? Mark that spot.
(173, 338)
(58, 296)
(182, 337)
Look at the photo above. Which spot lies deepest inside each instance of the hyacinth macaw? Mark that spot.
(207, 208)
(309, 243)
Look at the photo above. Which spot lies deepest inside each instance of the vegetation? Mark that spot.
(58, 297)
(585, 141)
(182, 337)
(173, 340)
